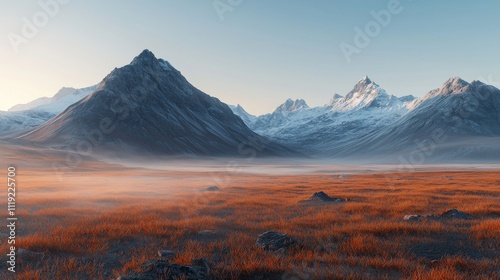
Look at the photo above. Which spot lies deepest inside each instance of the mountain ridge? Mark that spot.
(153, 108)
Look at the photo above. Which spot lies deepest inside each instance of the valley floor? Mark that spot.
(104, 222)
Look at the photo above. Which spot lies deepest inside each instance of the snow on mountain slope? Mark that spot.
(27, 116)
(244, 115)
(365, 94)
(292, 106)
(365, 108)
(458, 121)
(56, 104)
(15, 122)
(368, 122)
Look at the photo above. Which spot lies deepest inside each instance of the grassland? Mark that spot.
(103, 224)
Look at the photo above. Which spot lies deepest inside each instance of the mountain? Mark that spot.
(149, 107)
(292, 105)
(459, 120)
(244, 115)
(23, 117)
(56, 104)
(367, 107)
(365, 94)
(12, 123)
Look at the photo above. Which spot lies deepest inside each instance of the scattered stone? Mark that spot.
(166, 254)
(456, 214)
(211, 189)
(208, 232)
(322, 197)
(413, 218)
(21, 252)
(275, 241)
(450, 214)
(160, 269)
(197, 271)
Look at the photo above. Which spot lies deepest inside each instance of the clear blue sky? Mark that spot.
(261, 53)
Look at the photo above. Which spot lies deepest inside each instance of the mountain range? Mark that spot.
(459, 120)
(148, 107)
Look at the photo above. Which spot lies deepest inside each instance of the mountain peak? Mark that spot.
(454, 85)
(365, 80)
(292, 105)
(365, 94)
(146, 54)
(146, 58)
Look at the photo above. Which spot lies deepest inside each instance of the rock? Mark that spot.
(450, 214)
(211, 189)
(208, 232)
(274, 241)
(414, 218)
(197, 271)
(166, 254)
(21, 252)
(161, 269)
(158, 267)
(456, 214)
(322, 197)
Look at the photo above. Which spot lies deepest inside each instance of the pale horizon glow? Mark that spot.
(261, 53)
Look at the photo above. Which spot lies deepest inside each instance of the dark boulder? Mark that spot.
(275, 241)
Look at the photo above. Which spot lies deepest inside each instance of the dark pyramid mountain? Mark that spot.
(148, 106)
(460, 120)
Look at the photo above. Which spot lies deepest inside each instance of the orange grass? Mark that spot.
(128, 215)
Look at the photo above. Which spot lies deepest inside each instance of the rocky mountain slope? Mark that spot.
(149, 107)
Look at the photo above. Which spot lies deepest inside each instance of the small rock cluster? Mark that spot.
(448, 215)
(322, 197)
(162, 269)
(211, 189)
(276, 241)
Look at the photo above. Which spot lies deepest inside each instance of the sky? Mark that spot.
(251, 52)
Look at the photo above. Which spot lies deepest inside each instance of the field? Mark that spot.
(103, 224)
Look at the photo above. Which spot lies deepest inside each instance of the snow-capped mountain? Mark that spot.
(56, 104)
(17, 122)
(459, 120)
(366, 94)
(244, 115)
(27, 116)
(292, 106)
(365, 108)
(149, 107)
(370, 122)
